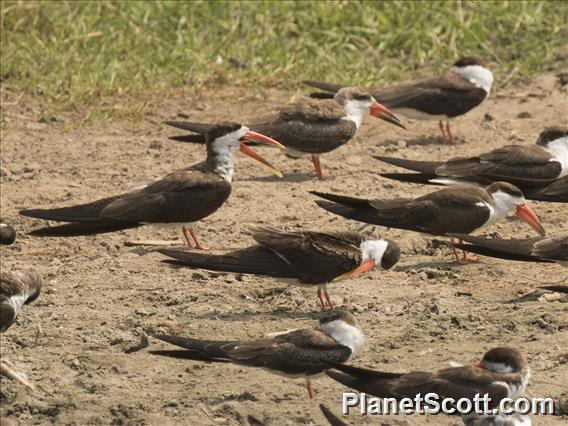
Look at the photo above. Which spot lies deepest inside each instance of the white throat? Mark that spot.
(344, 334)
(18, 301)
(224, 148)
(503, 203)
(373, 249)
(356, 111)
(477, 75)
(558, 148)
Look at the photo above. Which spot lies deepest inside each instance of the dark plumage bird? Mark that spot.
(539, 170)
(17, 288)
(539, 249)
(438, 213)
(503, 372)
(309, 126)
(179, 199)
(440, 98)
(7, 234)
(299, 258)
(301, 353)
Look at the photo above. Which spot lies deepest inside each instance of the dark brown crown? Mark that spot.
(506, 187)
(507, 356)
(551, 133)
(220, 130)
(339, 315)
(470, 60)
(391, 255)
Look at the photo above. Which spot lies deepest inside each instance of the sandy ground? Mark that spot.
(102, 294)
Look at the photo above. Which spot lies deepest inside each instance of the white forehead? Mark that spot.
(373, 249)
(231, 138)
(476, 74)
(498, 367)
(507, 199)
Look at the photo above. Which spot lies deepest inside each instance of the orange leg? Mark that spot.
(309, 388)
(191, 239)
(326, 294)
(441, 124)
(468, 257)
(317, 166)
(186, 235)
(198, 245)
(450, 139)
(454, 251)
(322, 302)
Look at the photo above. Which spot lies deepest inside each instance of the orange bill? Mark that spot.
(525, 213)
(248, 151)
(380, 111)
(362, 268)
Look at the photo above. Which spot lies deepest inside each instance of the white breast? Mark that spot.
(344, 334)
(558, 148)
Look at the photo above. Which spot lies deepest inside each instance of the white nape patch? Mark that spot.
(503, 203)
(225, 148)
(373, 249)
(344, 334)
(356, 111)
(18, 301)
(558, 148)
(477, 75)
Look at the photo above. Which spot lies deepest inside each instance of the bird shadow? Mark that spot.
(429, 264)
(421, 141)
(292, 177)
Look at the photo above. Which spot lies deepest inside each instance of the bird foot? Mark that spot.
(469, 258)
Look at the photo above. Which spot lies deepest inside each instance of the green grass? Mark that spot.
(74, 53)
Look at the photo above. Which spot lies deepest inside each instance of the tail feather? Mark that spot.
(186, 354)
(195, 138)
(321, 95)
(331, 418)
(328, 87)
(342, 199)
(376, 387)
(252, 260)
(83, 228)
(206, 349)
(80, 213)
(190, 126)
(428, 167)
(421, 178)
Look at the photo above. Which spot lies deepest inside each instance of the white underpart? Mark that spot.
(344, 334)
(477, 75)
(558, 148)
(18, 301)
(356, 111)
(497, 420)
(225, 148)
(373, 249)
(503, 203)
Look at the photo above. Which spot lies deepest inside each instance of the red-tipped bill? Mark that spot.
(362, 268)
(525, 213)
(248, 151)
(382, 112)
